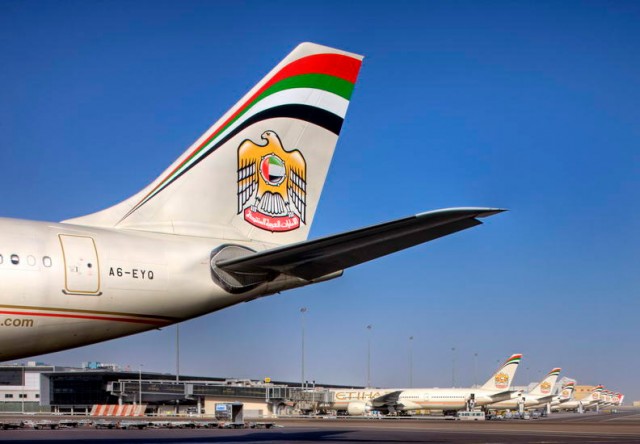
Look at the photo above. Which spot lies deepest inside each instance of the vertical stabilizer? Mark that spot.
(567, 391)
(502, 379)
(258, 172)
(545, 387)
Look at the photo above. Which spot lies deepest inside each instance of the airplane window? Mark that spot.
(31, 260)
(1, 259)
(46, 261)
(15, 259)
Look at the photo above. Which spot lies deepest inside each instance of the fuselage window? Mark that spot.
(31, 260)
(15, 259)
(46, 261)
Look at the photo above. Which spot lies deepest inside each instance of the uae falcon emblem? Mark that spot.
(276, 180)
(501, 380)
(545, 387)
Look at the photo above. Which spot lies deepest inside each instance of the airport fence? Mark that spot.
(26, 407)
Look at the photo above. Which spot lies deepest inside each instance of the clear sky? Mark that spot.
(530, 106)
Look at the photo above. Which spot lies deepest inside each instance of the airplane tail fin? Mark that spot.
(567, 391)
(545, 386)
(258, 172)
(502, 379)
(596, 393)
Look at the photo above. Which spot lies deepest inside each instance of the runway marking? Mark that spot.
(484, 431)
(633, 417)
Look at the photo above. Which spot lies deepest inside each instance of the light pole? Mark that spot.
(303, 310)
(24, 388)
(140, 384)
(177, 352)
(453, 366)
(410, 361)
(475, 369)
(369, 327)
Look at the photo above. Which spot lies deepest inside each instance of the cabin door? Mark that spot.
(81, 267)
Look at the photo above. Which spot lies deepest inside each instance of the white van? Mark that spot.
(471, 416)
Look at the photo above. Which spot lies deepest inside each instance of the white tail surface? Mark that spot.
(545, 387)
(258, 172)
(567, 391)
(502, 379)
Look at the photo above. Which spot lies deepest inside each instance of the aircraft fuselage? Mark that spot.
(64, 286)
(444, 399)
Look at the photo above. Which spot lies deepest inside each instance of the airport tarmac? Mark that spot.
(623, 427)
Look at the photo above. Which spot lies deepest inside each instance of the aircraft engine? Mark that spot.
(358, 408)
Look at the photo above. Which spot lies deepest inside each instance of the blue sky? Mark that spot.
(530, 106)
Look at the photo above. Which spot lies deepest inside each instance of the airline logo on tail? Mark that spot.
(276, 181)
(545, 387)
(502, 380)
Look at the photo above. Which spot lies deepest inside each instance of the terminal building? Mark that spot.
(35, 387)
(98, 388)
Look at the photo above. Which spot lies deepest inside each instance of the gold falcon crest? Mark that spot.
(276, 179)
(501, 380)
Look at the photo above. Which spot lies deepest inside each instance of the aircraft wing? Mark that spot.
(545, 399)
(388, 399)
(316, 258)
(502, 396)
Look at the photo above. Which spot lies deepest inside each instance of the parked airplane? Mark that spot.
(360, 402)
(226, 223)
(540, 394)
(497, 388)
(609, 399)
(591, 400)
(565, 395)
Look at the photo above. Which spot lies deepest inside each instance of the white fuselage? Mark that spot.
(410, 399)
(444, 399)
(575, 404)
(63, 286)
(413, 399)
(342, 398)
(530, 401)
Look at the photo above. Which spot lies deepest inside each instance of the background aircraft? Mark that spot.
(449, 400)
(540, 394)
(591, 400)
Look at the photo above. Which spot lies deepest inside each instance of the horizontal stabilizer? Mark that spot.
(503, 396)
(314, 259)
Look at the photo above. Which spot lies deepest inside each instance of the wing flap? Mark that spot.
(317, 258)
